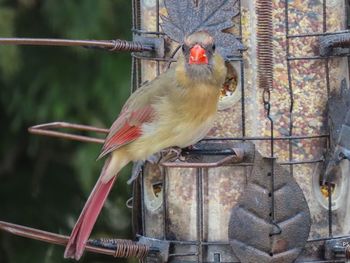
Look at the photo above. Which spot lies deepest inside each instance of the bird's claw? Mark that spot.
(137, 167)
(154, 158)
(136, 170)
(166, 155)
(192, 147)
(172, 154)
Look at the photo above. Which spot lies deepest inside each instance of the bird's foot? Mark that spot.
(172, 154)
(137, 167)
(155, 158)
(192, 147)
(136, 170)
(166, 155)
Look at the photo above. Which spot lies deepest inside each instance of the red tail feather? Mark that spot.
(83, 227)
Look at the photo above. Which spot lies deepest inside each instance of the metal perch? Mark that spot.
(110, 45)
(130, 248)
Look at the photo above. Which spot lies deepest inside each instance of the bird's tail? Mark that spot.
(83, 227)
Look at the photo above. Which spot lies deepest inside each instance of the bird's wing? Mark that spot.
(126, 128)
(137, 111)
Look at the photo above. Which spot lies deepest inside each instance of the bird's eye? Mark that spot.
(183, 48)
(214, 47)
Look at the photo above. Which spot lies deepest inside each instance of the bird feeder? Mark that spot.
(190, 205)
(270, 182)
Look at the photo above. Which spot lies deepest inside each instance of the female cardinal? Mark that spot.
(176, 109)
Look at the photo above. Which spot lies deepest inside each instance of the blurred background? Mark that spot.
(44, 182)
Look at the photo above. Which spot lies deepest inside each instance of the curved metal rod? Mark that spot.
(46, 130)
(236, 156)
(111, 45)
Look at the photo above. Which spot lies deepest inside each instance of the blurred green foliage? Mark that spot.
(44, 182)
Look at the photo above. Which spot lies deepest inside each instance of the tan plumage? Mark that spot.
(185, 110)
(176, 109)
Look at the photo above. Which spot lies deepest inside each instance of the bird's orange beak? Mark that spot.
(198, 55)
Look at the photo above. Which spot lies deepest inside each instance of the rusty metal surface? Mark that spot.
(253, 235)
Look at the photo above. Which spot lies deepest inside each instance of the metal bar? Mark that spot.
(222, 162)
(47, 237)
(326, 62)
(46, 130)
(199, 214)
(290, 87)
(111, 45)
(316, 57)
(133, 6)
(318, 34)
(139, 75)
(137, 14)
(324, 21)
(54, 125)
(242, 99)
(329, 187)
(165, 204)
(330, 218)
(242, 76)
(235, 58)
(210, 152)
(158, 29)
(134, 73)
(302, 162)
(183, 254)
(145, 32)
(170, 165)
(223, 243)
(153, 58)
(143, 208)
(326, 238)
(204, 243)
(257, 138)
(133, 61)
(171, 59)
(181, 242)
(324, 261)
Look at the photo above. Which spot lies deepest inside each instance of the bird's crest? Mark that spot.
(213, 16)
